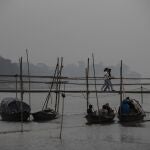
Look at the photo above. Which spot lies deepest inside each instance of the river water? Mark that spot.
(76, 135)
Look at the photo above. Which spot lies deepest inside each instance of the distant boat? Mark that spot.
(10, 110)
(135, 112)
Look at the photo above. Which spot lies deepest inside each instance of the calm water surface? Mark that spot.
(76, 135)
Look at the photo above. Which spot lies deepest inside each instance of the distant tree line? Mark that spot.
(10, 68)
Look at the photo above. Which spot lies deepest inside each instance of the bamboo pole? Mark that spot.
(142, 95)
(16, 86)
(59, 83)
(50, 89)
(121, 82)
(29, 79)
(95, 83)
(21, 88)
(61, 126)
(87, 83)
(57, 76)
(73, 91)
(72, 78)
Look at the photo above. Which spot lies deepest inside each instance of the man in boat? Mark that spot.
(107, 107)
(125, 108)
(90, 109)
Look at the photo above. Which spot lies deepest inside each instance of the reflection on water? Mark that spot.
(76, 134)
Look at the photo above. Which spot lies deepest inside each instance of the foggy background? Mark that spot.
(111, 29)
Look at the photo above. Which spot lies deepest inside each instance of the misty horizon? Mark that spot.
(112, 30)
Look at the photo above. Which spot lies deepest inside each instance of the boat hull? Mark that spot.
(44, 115)
(15, 116)
(97, 119)
(131, 117)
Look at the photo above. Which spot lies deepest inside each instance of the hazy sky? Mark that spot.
(111, 29)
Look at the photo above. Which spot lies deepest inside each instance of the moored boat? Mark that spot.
(12, 109)
(105, 115)
(130, 110)
(45, 115)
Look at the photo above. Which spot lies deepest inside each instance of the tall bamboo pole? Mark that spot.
(57, 76)
(121, 82)
(59, 82)
(95, 82)
(87, 83)
(21, 88)
(29, 78)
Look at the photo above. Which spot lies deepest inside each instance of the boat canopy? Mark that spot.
(10, 104)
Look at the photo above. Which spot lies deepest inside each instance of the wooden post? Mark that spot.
(29, 78)
(87, 83)
(141, 95)
(95, 83)
(61, 126)
(121, 82)
(21, 88)
(57, 76)
(59, 83)
(16, 85)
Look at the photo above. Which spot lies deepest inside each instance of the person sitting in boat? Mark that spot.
(107, 107)
(125, 108)
(133, 107)
(90, 109)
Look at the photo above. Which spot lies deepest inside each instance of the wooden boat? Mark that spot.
(45, 115)
(104, 116)
(135, 113)
(11, 110)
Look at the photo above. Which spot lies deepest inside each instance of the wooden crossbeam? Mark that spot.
(70, 91)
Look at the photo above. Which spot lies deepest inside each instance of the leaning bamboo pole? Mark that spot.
(50, 89)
